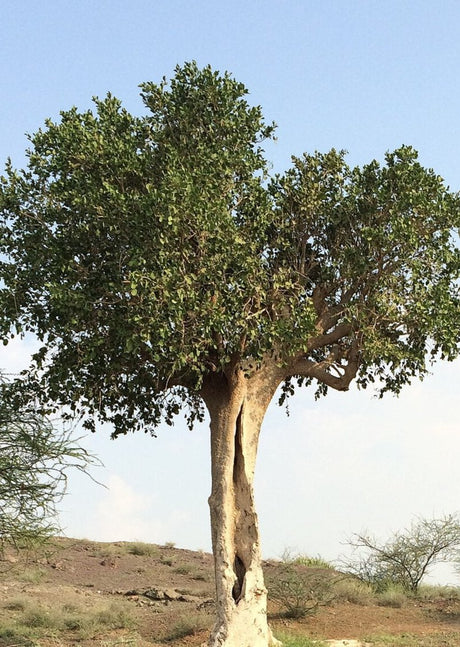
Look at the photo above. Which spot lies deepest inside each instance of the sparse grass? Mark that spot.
(17, 604)
(9, 636)
(31, 575)
(393, 596)
(291, 640)
(412, 640)
(116, 616)
(38, 617)
(427, 592)
(186, 625)
(131, 641)
(353, 591)
(32, 621)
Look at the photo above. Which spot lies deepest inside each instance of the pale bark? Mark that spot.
(237, 402)
(237, 406)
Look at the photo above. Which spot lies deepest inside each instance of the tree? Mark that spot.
(163, 270)
(407, 556)
(34, 459)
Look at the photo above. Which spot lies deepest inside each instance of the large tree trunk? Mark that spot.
(237, 407)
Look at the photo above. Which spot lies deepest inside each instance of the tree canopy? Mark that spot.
(150, 252)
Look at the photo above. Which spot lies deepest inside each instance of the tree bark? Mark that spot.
(237, 406)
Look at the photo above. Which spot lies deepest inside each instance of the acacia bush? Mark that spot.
(407, 556)
(35, 456)
(300, 590)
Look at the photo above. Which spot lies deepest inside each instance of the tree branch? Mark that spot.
(321, 370)
(320, 341)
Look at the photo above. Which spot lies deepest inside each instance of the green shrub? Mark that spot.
(299, 590)
(142, 549)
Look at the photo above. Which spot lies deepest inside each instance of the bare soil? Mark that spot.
(167, 594)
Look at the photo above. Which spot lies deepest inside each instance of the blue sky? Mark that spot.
(365, 76)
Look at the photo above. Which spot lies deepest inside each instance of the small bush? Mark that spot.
(290, 557)
(183, 569)
(299, 590)
(142, 549)
(312, 562)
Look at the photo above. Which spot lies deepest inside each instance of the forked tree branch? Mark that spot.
(321, 370)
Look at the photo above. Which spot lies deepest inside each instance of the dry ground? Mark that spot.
(141, 595)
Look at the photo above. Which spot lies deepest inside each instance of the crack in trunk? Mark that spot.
(239, 566)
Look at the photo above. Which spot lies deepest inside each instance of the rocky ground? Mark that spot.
(141, 595)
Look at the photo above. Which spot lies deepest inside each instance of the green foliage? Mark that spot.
(152, 255)
(405, 558)
(291, 640)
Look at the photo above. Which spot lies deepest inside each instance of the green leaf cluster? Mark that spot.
(151, 253)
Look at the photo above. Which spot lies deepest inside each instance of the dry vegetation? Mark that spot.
(139, 595)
